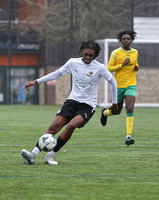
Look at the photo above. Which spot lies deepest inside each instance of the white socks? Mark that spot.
(36, 151)
(51, 154)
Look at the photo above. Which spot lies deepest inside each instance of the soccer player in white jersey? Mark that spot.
(81, 103)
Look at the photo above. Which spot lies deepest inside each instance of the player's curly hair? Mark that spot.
(131, 33)
(90, 44)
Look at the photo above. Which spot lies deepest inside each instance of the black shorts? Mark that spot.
(73, 108)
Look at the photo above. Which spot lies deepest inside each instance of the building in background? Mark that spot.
(147, 28)
(19, 50)
(39, 36)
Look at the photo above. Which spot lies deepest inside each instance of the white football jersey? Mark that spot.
(85, 79)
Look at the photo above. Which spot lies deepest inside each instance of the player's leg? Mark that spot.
(77, 121)
(129, 104)
(57, 124)
(53, 129)
(83, 114)
(106, 112)
(63, 138)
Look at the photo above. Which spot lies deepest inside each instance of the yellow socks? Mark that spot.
(107, 112)
(129, 124)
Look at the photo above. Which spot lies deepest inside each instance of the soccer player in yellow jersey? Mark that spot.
(124, 62)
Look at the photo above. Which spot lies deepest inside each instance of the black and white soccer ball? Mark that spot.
(47, 142)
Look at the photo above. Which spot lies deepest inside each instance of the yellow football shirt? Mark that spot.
(125, 76)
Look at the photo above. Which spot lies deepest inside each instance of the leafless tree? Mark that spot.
(92, 19)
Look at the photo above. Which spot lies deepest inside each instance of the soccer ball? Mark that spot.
(47, 142)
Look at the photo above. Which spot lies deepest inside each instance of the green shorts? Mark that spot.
(129, 91)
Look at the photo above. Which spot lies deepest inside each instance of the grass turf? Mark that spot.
(94, 165)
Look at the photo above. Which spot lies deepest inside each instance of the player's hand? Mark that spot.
(30, 83)
(136, 68)
(126, 61)
(114, 109)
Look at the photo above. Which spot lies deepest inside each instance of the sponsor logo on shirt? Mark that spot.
(83, 85)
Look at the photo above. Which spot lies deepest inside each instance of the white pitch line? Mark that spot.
(86, 145)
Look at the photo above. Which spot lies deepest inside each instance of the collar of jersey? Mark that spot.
(125, 50)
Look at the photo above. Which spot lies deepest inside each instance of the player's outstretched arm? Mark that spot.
(30, 83)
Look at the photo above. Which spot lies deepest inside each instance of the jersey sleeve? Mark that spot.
(65, 69)
(111, 64)
(110, 78)
(136, 63)
(113, 83)
(105, 73)
(49, 77)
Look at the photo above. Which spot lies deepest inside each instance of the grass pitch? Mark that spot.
(94, 165)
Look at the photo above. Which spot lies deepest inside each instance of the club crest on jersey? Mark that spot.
(90, 74)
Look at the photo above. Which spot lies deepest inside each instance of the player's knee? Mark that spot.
(54, 127)
(129, 110)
